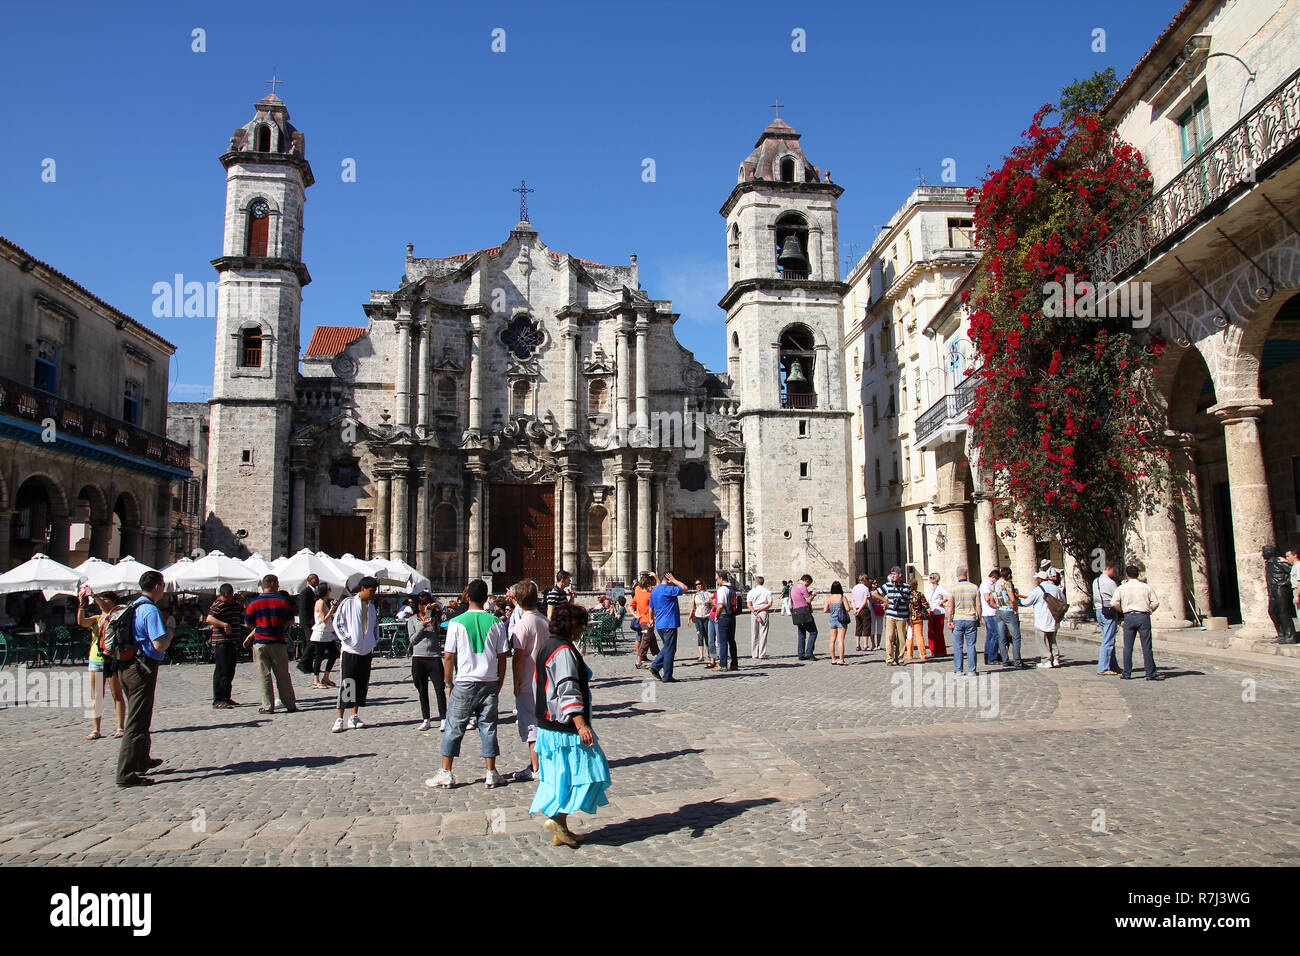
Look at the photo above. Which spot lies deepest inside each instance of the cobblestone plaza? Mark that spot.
(779, 763)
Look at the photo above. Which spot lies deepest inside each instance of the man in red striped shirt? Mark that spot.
(269, 616)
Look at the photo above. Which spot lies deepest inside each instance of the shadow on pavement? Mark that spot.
(255, 766)
(696, 817)
(650, 758)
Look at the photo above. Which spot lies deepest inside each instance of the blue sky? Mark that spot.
(441, 128)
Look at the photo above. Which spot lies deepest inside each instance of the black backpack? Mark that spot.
(732, 607)
(119, 634)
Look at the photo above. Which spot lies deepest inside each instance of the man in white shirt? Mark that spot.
(861, 610)
(476, 653)
(357, 628)
(993, 639)
(760, 603)
(1103, 592)
(528, 629)
(1136, 600)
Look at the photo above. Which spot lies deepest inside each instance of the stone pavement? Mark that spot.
(779, 763)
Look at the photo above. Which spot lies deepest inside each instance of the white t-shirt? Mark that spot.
(938, 598)
(471, 667)
(405, 612)
(988, 606)
(760, 595)
(860, 594)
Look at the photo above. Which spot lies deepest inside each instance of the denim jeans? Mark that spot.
(1106, 659)
(663, 661)
(727, 640)
(992, 638)
(471, 699)
(807, 638)
(1009, 635)
(702, 631)
(964, 637)
(1138, 623)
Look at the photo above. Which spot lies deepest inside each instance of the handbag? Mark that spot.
(1056, 606)
(802, 616)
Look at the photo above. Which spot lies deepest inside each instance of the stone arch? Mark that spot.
(126, 526)
(39, 502)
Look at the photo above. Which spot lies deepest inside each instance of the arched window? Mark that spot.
(792, 246)
(250, 348)
(597, 529)
(787, 169)
(519, 398)
(259, 223)
(796, 368)
(735, 245)
(444, 528)
(263, 144)
(597, 397)
(447, 393)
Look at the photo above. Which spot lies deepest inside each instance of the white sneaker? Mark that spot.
(1056, 662)
(355, 722)
(473, 724)
(494, 779)
(339, 726)
(1044, 663)
(442, 725)
(442, 778)
(426, 724)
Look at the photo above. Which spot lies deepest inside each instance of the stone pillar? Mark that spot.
(643, 476)
(661, 518)
(1024, 560)
(1252, 518)
(380, 514)
(1077, 590)
(986, 537)
(623, 546)
(400, 515)
(622, 376)
(643, 384)
(571, 525)
(816, 271)
(402, 413)
(101, 534)
(58, 547)
(1182, 465)
(559, 524)
(956, 545)
(1164, 564)
(424, 391)
(476, 373)
(736, 523)
(298, 524)
(474, 526)
(570, 340)
(6, 527)
(822, 376)
(423, 537)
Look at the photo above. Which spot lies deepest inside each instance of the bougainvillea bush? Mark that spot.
(1062, 413)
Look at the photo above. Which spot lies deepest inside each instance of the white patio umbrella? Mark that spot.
(40, 574)
(352, 562)
(351, 575)
(123, 576)
(294, 572)
(279, 563)
(397, 571)
(209, 573)
(90, 564)
(259, 564)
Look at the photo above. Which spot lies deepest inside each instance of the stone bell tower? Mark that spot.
(786, 361)
(256, 355)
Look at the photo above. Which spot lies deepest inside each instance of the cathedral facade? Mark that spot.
(515, 410)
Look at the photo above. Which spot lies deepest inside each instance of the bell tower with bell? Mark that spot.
(785, 357)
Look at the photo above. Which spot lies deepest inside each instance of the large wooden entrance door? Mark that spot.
(342, 534)
(693, 552)
(521, 523)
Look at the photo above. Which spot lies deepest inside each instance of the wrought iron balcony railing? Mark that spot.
(945, 409)
(1231, 165)
(29, 403)
(799, 400)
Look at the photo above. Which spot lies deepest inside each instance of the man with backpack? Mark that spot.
(138, 641)
(727, 600)
(1049, 604)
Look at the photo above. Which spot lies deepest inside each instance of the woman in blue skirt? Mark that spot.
(572, 768)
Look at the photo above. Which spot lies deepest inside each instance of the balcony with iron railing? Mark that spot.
(1265, 139)
(799, 400)
(29, 404)
(947, 417)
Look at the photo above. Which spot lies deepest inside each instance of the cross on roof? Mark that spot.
(273, 81)
(523, 191)
(777, 106)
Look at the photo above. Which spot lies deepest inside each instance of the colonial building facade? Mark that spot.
(513, 410)
(85, 469)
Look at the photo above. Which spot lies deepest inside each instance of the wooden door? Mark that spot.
(521, 527)
(342, 534)
(694, 556)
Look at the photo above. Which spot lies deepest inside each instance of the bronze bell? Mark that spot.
(796, 373)
(792, 256)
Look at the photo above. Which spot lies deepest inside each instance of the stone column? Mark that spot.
(400, 514)
(1182, 464)
(423, 537)
(425, 386)
(1164, 564)
(6, 527)
(623, 546)
(643, 476)
(101, 534)
(570, 340)
(642, 380)
(956, 545)
(1024, 559)
(380, 514)
(298, 524)
(1252, 518)
(571, 524)
(986, 537)
(402, 413)
(622, 376)
(1077, 590)
(474, 526)
(816, 270)
(736, 522)
(661, 518)
(476, 373)
(59, 529)
(559, 524)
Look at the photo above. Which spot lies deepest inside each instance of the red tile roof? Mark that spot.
(82, 289)
(1179, 17)
(330, 340)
